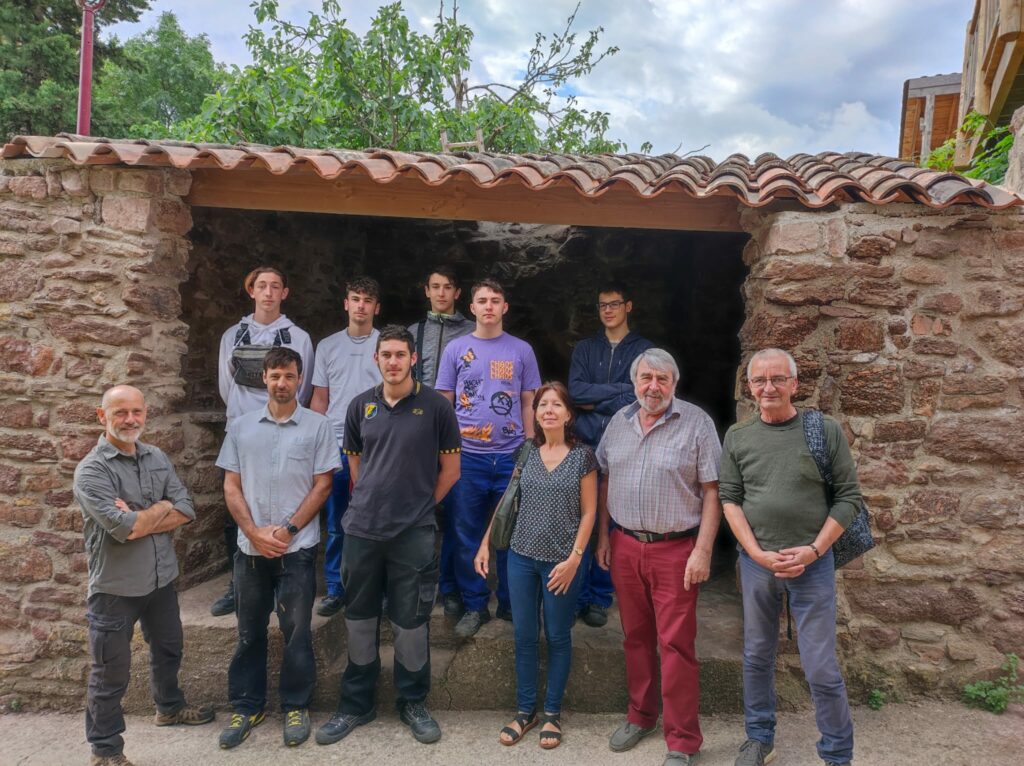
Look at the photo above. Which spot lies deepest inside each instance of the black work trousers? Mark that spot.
(111, 626)
(406, 568)
(290, 581)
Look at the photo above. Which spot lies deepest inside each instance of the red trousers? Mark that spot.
(659, 616)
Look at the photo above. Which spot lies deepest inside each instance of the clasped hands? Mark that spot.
(789, 562)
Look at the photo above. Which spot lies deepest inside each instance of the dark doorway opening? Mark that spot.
(687, 289)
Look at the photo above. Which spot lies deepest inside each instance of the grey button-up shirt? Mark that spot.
(277, 462)
(654, 478)
(117, 565)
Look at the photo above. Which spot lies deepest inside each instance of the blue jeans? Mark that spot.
(528, 580)
(336, 505)
(812, 600)
(447, 583)
(470, 502)
(596, 584)
(260, 583)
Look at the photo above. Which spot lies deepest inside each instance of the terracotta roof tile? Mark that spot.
(813, 180)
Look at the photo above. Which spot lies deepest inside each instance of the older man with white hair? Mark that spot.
(786, 519)
(131, 500)
(659, 462)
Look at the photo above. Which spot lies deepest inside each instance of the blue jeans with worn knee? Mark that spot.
(471, 502)
(335, 507)
(527, 583)
(812, 601)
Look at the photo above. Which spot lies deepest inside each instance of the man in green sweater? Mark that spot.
(786, 520)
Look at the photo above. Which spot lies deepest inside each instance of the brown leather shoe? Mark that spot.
(188, 715)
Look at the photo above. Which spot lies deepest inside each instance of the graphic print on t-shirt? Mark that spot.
(481, 433)
(470, 394)
(468, 358)
(502, 369)
(502, 402)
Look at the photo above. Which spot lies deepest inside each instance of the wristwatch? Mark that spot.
(291, 529)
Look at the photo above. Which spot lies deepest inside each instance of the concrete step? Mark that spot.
(474, 674)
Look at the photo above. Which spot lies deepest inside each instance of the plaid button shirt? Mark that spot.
(654, 479)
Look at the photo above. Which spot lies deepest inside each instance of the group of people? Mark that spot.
(409, 440)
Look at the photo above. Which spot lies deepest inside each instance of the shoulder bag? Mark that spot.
(856, 539)
(507, 512)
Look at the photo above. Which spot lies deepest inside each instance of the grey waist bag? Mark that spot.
(247, 358)
(856, 539)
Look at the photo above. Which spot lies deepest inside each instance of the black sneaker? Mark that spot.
(470, 623)
(296, 727)
(452, 603)
(595, 616)
(237, 730)
(503, 613)
(340, 726)
(416, 716)
(330, 605)
(225, 604)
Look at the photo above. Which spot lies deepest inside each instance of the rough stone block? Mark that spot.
(935, 246)
(127, 213)
(882, 473)
(994, 512)
(95, 331)
(896, 603)
(936, 346)
(877, 293)
(27, 447)
(924, 274)
(993, 301)
(764, 330)
(20, 515)
(23, 563)
(803, 295)
(929, 505)
(921, 324)
(879, 637)
(173, 217)
(944, 303)
(860, 335)
(874, 390)
(150, 182)
(10, 480)
(793, 238)
(871, 248)
(76, 447)
(74, 183)
(900, 430)
(1005, 340)
(977, 438)
(161, 302)
(65, 545)
(33, 187)
(16, 415)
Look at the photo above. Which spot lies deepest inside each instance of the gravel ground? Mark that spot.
(913, 734)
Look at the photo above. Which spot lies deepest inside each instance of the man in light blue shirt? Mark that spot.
(279, 463)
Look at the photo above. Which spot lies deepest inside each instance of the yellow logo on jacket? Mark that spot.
(370, 411)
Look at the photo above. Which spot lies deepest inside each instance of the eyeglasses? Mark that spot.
(614, 305)
(777, 381)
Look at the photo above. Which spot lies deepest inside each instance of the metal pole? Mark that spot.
(89, 8)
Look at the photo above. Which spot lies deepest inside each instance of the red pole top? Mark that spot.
(89, 8)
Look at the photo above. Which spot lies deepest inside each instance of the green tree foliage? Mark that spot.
(39, 43)
(162, 78)
(322, 85)
(992, 159)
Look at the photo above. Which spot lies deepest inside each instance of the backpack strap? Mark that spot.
(814, 434)
(242, 335)
(420, 329)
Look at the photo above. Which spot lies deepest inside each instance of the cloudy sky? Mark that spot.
(747, 76)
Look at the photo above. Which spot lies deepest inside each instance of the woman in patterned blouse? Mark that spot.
(557, 509)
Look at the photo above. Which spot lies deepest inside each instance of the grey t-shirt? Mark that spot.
(117, 565)
(549, 504)
(345, 367)
(277, 462)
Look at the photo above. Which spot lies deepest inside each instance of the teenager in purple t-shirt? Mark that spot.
(490, 377)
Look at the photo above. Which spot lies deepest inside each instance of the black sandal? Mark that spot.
(526, 722)
(554, 736)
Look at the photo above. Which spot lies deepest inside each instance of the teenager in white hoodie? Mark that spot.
(265, 327)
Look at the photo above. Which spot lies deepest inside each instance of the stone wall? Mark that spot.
(90, 266)
(908, 326)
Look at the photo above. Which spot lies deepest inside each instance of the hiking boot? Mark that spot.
(237, 730)
(503, 613)
(341, 725)
(595, 616)
(470, 623)
(226, 603)
(109, 760)
(188, 715)
(330, 605)
(452, 603)
(296, 727)
(626, 736)
(676, 758)
(755, 753)
(416, 716)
